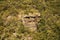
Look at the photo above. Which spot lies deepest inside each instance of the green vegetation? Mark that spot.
(48, 26)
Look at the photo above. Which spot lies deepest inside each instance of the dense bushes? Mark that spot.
(48, 26)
